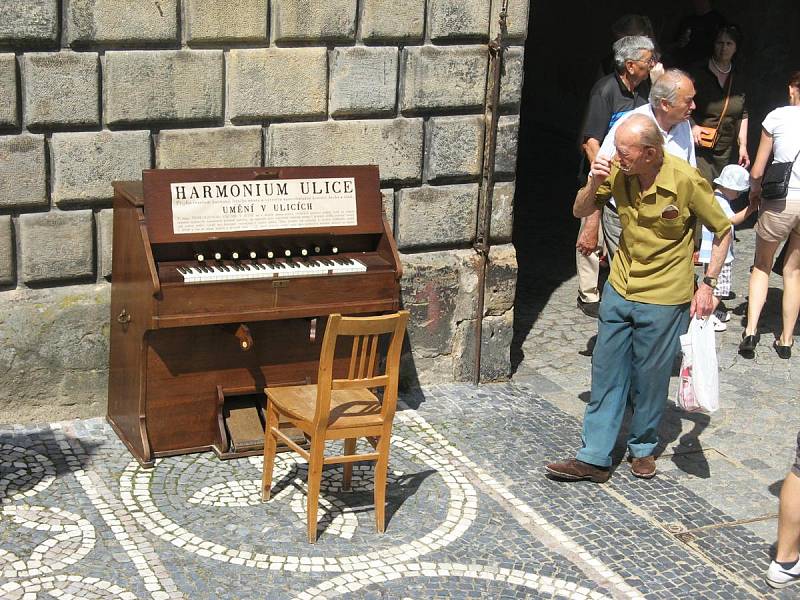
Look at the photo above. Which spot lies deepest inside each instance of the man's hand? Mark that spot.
(587, 240)
(584, 204)
(702, 302)
(600, 171)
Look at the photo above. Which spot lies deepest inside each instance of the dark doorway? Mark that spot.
(565, 43)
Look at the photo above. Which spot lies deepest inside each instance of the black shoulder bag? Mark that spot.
(775, 182)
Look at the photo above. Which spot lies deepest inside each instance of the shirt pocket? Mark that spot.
(669, 227)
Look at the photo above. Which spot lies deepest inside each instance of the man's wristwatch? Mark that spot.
(710, 282)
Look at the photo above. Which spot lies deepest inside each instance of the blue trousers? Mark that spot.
(635, 350)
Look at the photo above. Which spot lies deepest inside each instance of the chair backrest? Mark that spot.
(365, 333)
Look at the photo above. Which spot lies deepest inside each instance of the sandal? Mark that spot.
(784, 352)
(748, 344)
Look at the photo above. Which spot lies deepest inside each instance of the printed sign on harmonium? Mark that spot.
(264, 204)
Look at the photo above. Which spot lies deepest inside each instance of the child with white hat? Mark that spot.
(732, 181)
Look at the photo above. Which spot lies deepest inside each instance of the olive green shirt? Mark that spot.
(654, 261)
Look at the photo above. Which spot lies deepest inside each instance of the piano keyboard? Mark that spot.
(209, 272)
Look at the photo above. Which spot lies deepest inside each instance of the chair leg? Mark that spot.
(270, 447)
(314, 479)
(347, 476)
(381, 473)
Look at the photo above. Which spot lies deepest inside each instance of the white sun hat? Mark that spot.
(734, 178)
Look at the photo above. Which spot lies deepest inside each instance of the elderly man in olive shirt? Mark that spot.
(649, 297)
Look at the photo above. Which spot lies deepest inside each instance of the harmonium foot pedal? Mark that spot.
(242, 421)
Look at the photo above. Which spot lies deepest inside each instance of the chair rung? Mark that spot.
(288, 441)
(348, 458)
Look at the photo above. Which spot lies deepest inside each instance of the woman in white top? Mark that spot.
(778, 220)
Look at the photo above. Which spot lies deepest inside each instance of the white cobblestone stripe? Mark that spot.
(351, 582)
(524, 514)
(135, 492)
(339, 518)
(73, 537)
(142, 554)
(25, 473)
(64, 587)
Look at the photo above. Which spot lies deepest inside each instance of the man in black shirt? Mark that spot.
(611, 97)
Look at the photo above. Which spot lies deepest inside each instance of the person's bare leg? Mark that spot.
(789, 520)
(759, 282)
(791, 290)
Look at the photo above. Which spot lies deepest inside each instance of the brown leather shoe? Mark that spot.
(576, 470)
(644, 467)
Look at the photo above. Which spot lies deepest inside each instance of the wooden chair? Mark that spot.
(344, 409)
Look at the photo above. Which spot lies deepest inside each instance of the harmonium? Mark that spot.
(222, 280)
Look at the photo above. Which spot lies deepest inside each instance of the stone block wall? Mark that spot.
(93, 91)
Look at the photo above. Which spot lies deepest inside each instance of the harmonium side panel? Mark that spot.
(131, 309)
(185, 365)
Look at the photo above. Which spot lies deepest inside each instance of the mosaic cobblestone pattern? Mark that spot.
(176, 70)
(469, 516)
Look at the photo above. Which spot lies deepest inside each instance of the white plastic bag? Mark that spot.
(698, 389)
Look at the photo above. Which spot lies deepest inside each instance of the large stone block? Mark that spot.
(392, 20)
(163, 86)
(438, 289)
(501, 280)
(22, 172)
(502, 223)
(436, 216)
(442, 77)
(458, 19)
(496, 336)
(311, 20)
(505, 159)
(28, 22)
(216, 21)
(277, 83)
(516, 22)
(363, 81)
(104, 226)
(394, 145)
(200, 148)
(9, 113)
(85, 164)
(512, 78)
(7, 250)
(53, 353)
(61, 89)
(56, 246)
(130, 22)
(454, 147)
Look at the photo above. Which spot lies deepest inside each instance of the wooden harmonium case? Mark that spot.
(221, 280)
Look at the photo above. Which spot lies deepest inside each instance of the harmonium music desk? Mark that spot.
(221, 279)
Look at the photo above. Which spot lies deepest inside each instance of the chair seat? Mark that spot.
(349, 408)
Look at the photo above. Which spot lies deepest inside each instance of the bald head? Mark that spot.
(639, 144)
(672, 98)
(640, 130)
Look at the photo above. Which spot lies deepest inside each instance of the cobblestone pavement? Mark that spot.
(469, 513)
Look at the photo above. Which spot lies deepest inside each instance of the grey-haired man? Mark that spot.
(611, 97)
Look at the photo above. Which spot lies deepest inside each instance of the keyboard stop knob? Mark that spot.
(244, 338)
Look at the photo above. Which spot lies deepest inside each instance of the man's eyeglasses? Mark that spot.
(650, 62)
